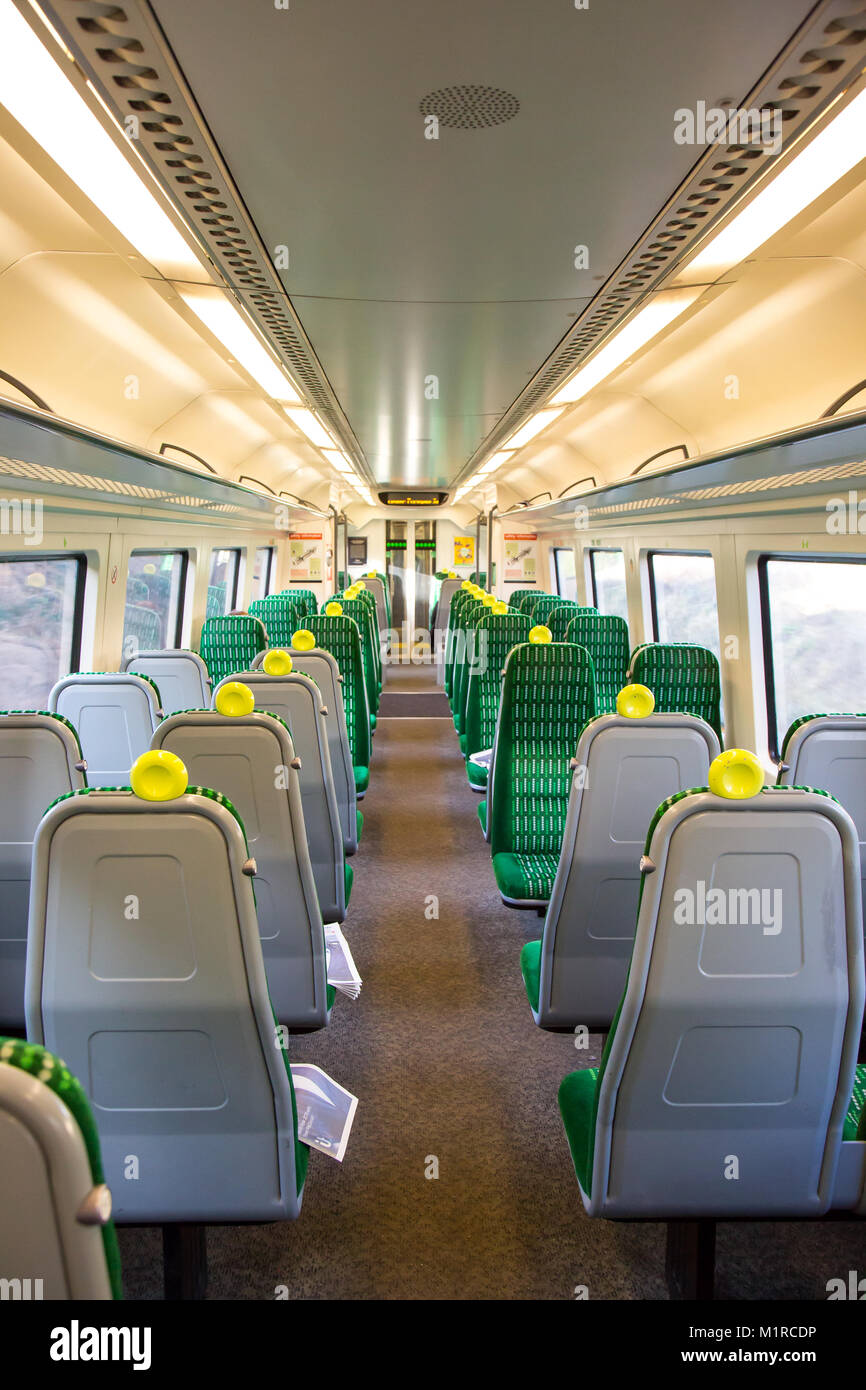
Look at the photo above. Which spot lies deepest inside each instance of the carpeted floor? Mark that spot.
(448, 1066)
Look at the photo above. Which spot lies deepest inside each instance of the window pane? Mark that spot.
(818, 638)
(608, 572)
(37, 626)
(262, 571)
(223, 583)
(685, 595)
(566, 580)
(154, 595)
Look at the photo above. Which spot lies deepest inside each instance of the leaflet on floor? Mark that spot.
(325, 1110)
(342, 970)
(484, 757)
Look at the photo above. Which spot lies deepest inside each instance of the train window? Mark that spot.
(222, 590)
(563, 566)
(155, 588)
(683, 597)
(814, 645)
(41, 607)
(263, 571)
(607, 573)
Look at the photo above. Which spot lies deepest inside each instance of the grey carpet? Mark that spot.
(443, 1054)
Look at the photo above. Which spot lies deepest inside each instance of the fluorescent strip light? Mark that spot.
(338, 459)
(495, 461)
(309, 425)
(831, 154)
(218, 313)
(35, 90)
(533, 426)
(662, 309)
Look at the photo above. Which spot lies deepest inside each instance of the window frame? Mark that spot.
(181, 589)
(592, 551)
(556, 551)
(81, 574)
(763, 562)
(272, 555)
(651, 581)
(237, 551)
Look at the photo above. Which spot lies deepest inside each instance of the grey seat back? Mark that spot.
(115, 714)
(180, 676)
(729, 1073)
(40, 759)
(829, 751)
(51, 1213)
(377, 589)
(323, 668)
(298, 701)
(145, 973)
(250, 759)
(443, 607)
(624, 769)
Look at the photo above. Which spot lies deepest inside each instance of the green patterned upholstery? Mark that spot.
(605, 637)
(495, 636)
(458, 602)
(559, 617)
(229, 645)
(684, 679)
(527, 600)
(544, 605)
(340, 636)
(367, 598)
(467, 619)
(515, 599)
(53, 1073)
(360, 614)
(281, 614)
(307, 599)
(479, 577)
(548, 694)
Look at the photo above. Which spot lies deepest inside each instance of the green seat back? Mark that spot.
(495, 635)
(282, 614)
(340, 636)
(548, 694)
(466, 620)
(522, 597)
(560, 616)
(683, 677)
(359, 612)
(605, 637)
(229, 645)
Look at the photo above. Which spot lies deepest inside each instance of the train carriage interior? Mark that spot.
(433, 651)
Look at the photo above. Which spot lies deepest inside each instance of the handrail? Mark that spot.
(843, 399)
(189, 453)
(25, 391)
(671, 449)
(258, 482)
(590, 478)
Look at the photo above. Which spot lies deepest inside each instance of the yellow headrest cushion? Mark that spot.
(540, 634)
(158, 776)
(736, 775)
(234, 699)
(303, 640)
(499, 607)
(333, 610)
(635, 702)
(277, 663)
(489, 600)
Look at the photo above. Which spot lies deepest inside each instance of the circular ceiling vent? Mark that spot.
(470, 108)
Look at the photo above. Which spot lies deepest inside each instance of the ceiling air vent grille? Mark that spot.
(470, 108)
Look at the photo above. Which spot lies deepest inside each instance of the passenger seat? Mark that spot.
(114, 714)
